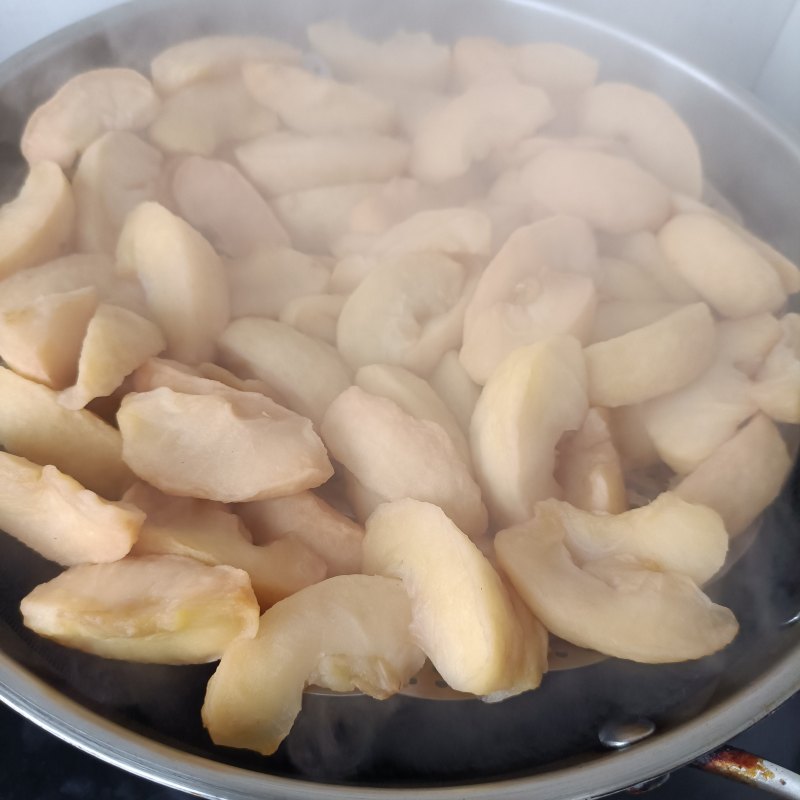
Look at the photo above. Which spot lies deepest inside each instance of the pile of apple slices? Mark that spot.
(324, 376)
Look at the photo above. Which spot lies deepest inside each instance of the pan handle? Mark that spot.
(739, 765)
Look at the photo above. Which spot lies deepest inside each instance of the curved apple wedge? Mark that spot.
(614, 605)
(154, 609)
(463, 617)
(348, 632)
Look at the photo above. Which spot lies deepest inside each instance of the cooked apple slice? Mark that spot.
(152, 609)
(744, 343)
(264, 282)
(214, 56)
(214, 197)
(686, 426)
(55, 516)
(462, 618)
(618, 279)
(202, 117)
(83, 109)
(307, 373)
(452, 383)
(115, 174)
(777, 385)
(469, 127)
(315, 315)
(231, 447)
(348, 632)
(589, 468)
(42, 340)
(650, 128)
(199, 529)
(727, 271)
(117, 341)
(742, 476)
(281, 163)
(536, 394)
(403, 58)
(34, 425)
(631, 438)
(654, 360)
(408, 311)
(309, 519)
(189, 300)
(395, 456)
(617, 317)
(614, 605)
(38, 223)
(669, 533)
(611, 193)
(415, 396)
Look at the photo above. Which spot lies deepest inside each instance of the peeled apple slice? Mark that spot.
(614, 605)
(407, 311)
(235, 447)
(307, 373)
(315, 315)
(395, 456)
(348, 632)
(742, 476)
(463, 618)
(152, 609)
(653, 360)
(34, 425)
(536, 394)
(83, 109)
(117, 341)
(42, 341)
(189, 299)
(459, 392)
(777, 385)
(37, 224)
(668, 534)
(59, 519)
(745, 343)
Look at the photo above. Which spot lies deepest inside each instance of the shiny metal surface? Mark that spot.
(758, 169)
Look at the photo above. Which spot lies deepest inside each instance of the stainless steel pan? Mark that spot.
(546, 744)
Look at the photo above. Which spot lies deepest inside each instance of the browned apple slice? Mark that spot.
(348, 632)
(153, 609)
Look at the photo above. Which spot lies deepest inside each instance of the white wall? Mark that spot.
(752, 43)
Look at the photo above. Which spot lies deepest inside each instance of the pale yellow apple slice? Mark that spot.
(654, 360)
(415, 396)
(232, 447)
(117, 341)
(189, 297)
(777, 385)
(742, 476)
(42, 340)
(347, 632)
(281, 163)
(536, 394)
(38, 223)
(745, 343)
(669, 534)
(614, 605)
(395, 455)
(309, 519)
(408, 311)
(687, 425)
(214, 56)
(614, 318)
(589, 469)
(153, 609)
(83, 109)
(59, 519)
(202, 117)
(725, 269)
(115, 174)
(463, 618)
(315, 315)
(618, 279)
(201, 530)
(631, 439)
(263, 283)
(404, 58)
(455, 387)
(34, 425)
(307, 373)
